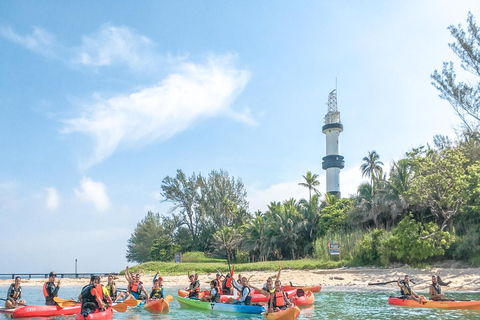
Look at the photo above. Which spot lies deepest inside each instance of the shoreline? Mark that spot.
(344, 279)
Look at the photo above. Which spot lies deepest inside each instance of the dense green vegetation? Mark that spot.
(423, 208)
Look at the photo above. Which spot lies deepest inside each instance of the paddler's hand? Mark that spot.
(58, 283)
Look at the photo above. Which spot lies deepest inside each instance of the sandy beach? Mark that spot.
(357, 279)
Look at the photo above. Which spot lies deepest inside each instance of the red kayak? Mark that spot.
(106, 314)
(44, 311)
(304, 301)
(258, 297)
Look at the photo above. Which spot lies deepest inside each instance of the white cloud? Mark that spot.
(157, 113)
(115, 45)
(94, 192)
(39, 41)
(53, 199)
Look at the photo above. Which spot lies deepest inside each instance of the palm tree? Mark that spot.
(310, 182)
(372, 166)
(228, 239)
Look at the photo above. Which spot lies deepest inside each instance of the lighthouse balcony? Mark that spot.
(333, 161)
(332, 126)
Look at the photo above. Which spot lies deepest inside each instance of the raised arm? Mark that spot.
(279, 271)
(265, 293)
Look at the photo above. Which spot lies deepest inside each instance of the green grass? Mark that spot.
(173, 268)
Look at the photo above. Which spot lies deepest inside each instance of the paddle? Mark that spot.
(384, 283)
(121, 307)
(131, 302)
(57, 300)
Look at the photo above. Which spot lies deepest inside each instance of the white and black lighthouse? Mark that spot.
(333, 161)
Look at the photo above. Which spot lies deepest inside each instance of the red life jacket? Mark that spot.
(99, 290)
(279, 300)
(45, 293)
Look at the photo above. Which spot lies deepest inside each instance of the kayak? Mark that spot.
(315, 289)
(222, 307)
(287, 314)
(304, 301)
(8, 311)
(157, 306)
(257, 296)
(469, 304)
(106, 314)
(184, 293)
(37, 311)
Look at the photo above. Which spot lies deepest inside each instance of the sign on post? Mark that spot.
(178, 257)
(334, 250)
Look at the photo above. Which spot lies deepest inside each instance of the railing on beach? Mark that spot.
(61, 275)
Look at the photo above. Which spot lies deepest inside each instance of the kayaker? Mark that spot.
(227, 282)
(136, 289)
(50, 290)
(14, 295)
(435, 290)
(277, 277)
(90, 298)
(245, 297)
(218, 282)
(279, 299)
(111, 287)
(214, 295)
(406, 292)
(266, 290)
(103, 292)
(194, 287)
(157, 290)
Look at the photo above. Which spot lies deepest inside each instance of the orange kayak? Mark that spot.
(287, 314)
(184, 293)
(157, 306)
(304, 301)
(469, 304)
(315, 289)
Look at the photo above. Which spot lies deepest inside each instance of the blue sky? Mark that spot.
(101, 100)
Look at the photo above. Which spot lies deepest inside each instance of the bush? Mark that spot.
(242, 256)
(371, 250)
(467, 247)
(349, 243)
(198, 257)
(414, 242)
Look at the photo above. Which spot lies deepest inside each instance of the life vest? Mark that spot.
(219, 285)
(45, 292)
(109, 288)
(227, 282)
(15, 293)
(279, 300)
(248, 299)
(156, 293)
(215, 295)
(136, 287)
(88, 294)
(99, 290)
(406, 290)
(437, 288)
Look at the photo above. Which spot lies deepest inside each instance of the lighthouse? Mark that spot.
(333, 162)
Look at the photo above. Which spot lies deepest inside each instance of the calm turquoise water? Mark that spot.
(328, 305)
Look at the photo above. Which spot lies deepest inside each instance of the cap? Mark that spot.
(52, 274)
(160, 278)
(218, 274)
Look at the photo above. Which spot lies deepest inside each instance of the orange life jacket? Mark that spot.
(45, 293)
(99, 290)
(279, 300)
(135, 287)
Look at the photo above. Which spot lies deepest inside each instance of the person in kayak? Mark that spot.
(227, 282)
(103, 293)
(214, 295)
(245, 297)
(218, 282)
(279, 299)
(277, 277)
(406, 291)
(50, 290)
(194, 287)
(112, 291)
(266, 290)
(435, 290)
(136, 288)
(157, 290)
(90, 298)
(14, 295)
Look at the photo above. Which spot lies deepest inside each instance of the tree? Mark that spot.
(310, 182)
(463, 96)
(139, 245)
(228, 239)
(372, 166)
(185, 195)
